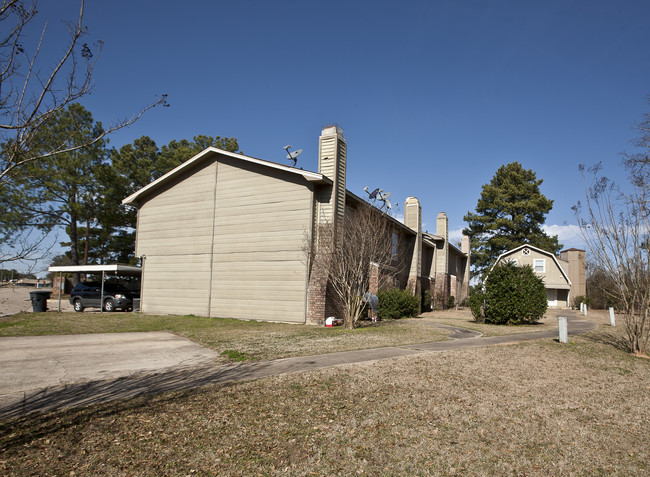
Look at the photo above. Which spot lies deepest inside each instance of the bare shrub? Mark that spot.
(615, 224)
(347, 252)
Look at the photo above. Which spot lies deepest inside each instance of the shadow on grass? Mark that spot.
(101, 391)
(610, 339)
(19, 432)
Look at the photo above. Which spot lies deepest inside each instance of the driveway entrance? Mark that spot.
(36, 363)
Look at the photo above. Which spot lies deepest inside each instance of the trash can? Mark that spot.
(39, 300)
(136, 304)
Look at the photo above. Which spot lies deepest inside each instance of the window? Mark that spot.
(393, 250)
(540, 265)
(514, 261)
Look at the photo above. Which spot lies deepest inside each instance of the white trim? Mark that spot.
(310, 176)
(128, 269)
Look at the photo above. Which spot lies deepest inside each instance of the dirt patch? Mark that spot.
(14, 300)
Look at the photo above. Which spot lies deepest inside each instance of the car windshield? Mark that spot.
(115, 287)
(88, 284)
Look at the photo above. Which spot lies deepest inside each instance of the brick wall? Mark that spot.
(441, 290)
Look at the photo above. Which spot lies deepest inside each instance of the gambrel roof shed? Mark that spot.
(547, 266)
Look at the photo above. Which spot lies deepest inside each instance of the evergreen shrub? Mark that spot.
(426, 300)
(396, 303)
(514, 295)
(476, 299)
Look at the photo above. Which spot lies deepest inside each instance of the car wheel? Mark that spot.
(109, 305)
(78, 306)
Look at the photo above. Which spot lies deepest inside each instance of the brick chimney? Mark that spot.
(332, 151)
(442, 260)
(466, 249)
(413, 220)
(330, 212)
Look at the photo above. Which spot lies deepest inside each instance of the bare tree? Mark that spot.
(615, 224)
(347, 256)
(28, 98)
(32, 91)
(27, 246)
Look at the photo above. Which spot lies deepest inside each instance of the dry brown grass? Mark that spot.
(463, 319)
(253, 339)
(536, 408)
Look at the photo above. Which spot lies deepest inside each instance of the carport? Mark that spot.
(111, 270)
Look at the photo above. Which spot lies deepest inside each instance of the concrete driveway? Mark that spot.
(37, 363)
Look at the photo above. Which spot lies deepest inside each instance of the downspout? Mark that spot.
(309, 261)
(143, 260)
(214, 222)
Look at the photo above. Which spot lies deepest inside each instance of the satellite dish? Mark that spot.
(379, 194)
(292, 155)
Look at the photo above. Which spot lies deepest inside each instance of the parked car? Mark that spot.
(89, 295)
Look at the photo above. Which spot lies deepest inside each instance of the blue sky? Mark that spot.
(433, 96)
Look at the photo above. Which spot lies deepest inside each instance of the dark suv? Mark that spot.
(89, 294)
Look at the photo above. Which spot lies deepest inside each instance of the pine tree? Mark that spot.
(132, 167)
(509, 213)
(59, 191)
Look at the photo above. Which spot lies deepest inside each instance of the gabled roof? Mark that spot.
(543, 252)
(210, 152)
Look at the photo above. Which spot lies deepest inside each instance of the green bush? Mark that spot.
(514, 295)
(426, 300)
(396, 303)
(476, 299)
(451, 301)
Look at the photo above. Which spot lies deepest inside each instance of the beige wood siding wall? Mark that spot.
(175, 234)
(226, 241)
(259, 271)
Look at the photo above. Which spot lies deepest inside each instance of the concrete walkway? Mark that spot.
(196, 371)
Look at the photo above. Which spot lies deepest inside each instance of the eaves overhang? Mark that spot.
(543, 252)
(355, 198)
(117, 269)
(135, 198)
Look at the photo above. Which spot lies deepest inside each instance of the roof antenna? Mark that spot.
(379, 194)
(292, 155)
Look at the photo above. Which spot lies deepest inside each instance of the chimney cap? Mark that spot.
(332, 129)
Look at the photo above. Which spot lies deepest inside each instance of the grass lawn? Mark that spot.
(535, 408)
(463, 319)
(236, 338)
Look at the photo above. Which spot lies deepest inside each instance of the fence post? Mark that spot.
(585, 310)
(612, 318)
(562, 327)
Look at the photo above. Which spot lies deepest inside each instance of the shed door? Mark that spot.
(551, 297)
